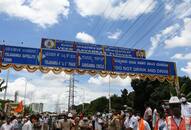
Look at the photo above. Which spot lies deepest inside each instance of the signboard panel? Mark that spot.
(62, 59)
(124, 52)
(91, 61)
(20, 55)
(91, 48)
(140, 66)
(72, 60)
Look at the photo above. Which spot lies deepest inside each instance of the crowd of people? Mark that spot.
(176, 117)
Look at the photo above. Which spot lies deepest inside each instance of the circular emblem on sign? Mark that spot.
(49, 44)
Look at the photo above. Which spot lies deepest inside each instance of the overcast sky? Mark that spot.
(161, 27)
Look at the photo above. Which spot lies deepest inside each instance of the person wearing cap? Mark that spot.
(175, 121)
(129, 118)
(70, 116)
(185, 107)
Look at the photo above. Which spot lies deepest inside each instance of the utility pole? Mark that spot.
(16, 96)
(72, 91)
(57, 109)
(71, 95)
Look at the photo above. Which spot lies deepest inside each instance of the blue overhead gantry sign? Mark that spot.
(84, 61)
(91, 48)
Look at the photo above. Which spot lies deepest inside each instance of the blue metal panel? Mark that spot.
(20, 55)
(140, 66)
(91, 48)
(62, 59)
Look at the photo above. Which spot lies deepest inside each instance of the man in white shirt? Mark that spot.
(185, 107)
(29, 124)
(148, 114)
(137, 121)
(129, 118)
(7, 125)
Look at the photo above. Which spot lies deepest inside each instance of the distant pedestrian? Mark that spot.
(185, 107)
(66, 123)
(57, 125)
(29, 125)
(139, 123)
(7, 125)
(85, 124)
(148, 114)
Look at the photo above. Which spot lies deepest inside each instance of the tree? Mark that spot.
(185, 87)
(151, 92)
(99, 105)
(124, 96)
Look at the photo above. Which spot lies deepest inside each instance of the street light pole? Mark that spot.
(25, 91)
(109, 95)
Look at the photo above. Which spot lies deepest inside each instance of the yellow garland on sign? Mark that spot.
(31, 69)
(81, 72)
(44, 69)
(123, 75)
(113, 75)
(103, 73)
(92, 73)
(18, 67)
(5, 67)
(69, 71)
(57, 70)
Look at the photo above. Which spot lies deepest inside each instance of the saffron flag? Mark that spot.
(19, 108)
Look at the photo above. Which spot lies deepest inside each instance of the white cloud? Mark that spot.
(84, 37)
(180, 56)
(187, 69)
(179, 9)
(114, 10)
(184, 39)
(100, 81)
(114, 35)
(183, 10)
(161, 37)
(41, 12)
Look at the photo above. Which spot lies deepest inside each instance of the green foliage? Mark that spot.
(151, 92)
(145, 91)
(185, 87)
(100, 104)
